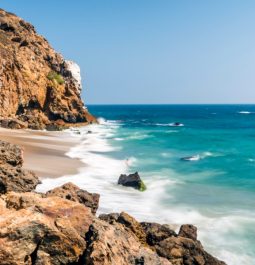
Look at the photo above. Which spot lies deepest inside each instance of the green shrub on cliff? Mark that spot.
(53, 76)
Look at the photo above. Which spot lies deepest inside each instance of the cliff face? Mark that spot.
(37, 85)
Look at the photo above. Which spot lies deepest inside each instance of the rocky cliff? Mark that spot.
(60, 227)
(38, 87)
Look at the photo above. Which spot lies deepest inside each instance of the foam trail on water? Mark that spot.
(100, 174)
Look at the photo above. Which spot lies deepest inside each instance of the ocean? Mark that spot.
(215, 192)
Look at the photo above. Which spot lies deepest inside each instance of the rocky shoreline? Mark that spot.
(61, 226)
(41, 90)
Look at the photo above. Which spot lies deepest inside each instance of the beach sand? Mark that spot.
(45, 152)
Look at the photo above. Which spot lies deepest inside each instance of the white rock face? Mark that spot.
(75, 70)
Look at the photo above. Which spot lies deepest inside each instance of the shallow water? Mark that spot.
(216, 193)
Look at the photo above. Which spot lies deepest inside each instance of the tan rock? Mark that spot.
(37, 84)
(71, 192)
(112, 244)
(37, 230)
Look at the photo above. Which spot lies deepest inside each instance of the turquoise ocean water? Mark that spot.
(218, 190)
(216, 193)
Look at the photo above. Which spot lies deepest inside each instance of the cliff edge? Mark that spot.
(38, 88)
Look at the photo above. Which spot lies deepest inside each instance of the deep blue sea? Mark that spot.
(215, 192)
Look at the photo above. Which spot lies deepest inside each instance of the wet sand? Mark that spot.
(45, 152)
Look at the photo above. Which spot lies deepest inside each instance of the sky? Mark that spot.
(152, 52)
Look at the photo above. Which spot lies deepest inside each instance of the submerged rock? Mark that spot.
(71, 192)
(132, 180)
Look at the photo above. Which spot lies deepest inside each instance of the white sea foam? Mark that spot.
(101, 172)
(118, 139)
(139, 136)
(245, 112)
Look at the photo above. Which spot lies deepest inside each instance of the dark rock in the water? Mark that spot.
(155, 233)
(188, 231)
(89, 132)
(12, 176)
(132, 180)
(71, 192)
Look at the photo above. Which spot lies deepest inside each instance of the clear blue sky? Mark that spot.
(157, 51)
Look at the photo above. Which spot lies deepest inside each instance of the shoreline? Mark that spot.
(45, 152)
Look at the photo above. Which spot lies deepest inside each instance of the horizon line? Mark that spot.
(157, 104)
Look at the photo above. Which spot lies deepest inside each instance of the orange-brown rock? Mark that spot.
(72, 192)
(38, 86)
(113, 244)
(37, 230)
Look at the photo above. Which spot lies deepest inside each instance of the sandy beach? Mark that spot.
(45, 152)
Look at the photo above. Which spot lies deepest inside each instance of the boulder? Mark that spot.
(179, 249)
(128, 222)
(12, 176)
(13, 123)
(10, 154)
(155, 233)
(37, 230)
(114, 245)
(132, 180)
(188, 231)
(185, 251)
(72, 192)
(17, 179)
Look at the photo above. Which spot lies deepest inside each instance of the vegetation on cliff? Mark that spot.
(37, 85)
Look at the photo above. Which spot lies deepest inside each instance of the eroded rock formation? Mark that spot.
(12, 176)
(60, 227)
(71, 192)
(37, 85)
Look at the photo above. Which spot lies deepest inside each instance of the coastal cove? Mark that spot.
(212, 193)
(127, 184)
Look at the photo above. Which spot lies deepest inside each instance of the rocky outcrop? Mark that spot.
(71, 192)
(36, 230)
(181, 249)
(12, 176)
(156, 233)
(60, 227)
(37, 85)
(132, 180)
(113, 244)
